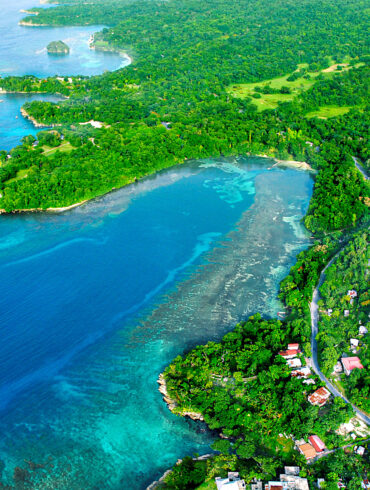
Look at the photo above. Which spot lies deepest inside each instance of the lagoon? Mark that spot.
(96, 301)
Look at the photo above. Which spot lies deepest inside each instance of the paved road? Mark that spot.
(314, 309)
(360, 168)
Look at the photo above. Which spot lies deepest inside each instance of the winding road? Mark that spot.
(314, 309)
(360, 168)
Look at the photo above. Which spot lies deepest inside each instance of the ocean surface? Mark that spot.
(23, 52)
(95, 302)
(23, 48)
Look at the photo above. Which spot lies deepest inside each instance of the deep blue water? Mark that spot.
(95, 302)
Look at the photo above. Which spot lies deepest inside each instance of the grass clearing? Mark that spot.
(270, 101)
(64, 148)
(21, 174)
(329, 111)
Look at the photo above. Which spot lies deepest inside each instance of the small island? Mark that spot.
(57, 47)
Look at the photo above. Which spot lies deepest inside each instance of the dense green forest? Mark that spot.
(185, 56)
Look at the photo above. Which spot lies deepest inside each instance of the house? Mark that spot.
(352, 293)
(365, 484)
(309, 381)
(338, 368)
(360, 450)
(309, 143)
(288, 481)
(288, 354)
(346, 312)
(293, 347)
(319, 397)
(303, 372)
(292, 470)
(362, 330)
(294, 363)
(351, 363)
(354, 342)
(307, 450)
(317, 443)
(232, 482)
(319, 482)
(330, 311)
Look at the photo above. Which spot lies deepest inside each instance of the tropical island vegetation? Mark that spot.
(57, 47)
(289, 80)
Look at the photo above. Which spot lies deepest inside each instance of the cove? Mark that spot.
(95, 302)
(23, 49)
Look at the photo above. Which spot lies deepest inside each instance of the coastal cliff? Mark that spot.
(172, 404)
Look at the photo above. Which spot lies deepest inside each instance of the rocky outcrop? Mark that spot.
(172, 404)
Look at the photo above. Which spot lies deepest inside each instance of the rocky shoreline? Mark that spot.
(36, 123)
(172, 404)
(158, 483)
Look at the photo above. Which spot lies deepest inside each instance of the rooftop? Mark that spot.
(307, 450)
(350, 363)
(319, 397)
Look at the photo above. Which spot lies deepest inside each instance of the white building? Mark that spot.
(232, 482)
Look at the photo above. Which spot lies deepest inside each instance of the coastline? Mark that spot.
(303, 166)
(289, 164)
(48, 210)
(158, 483)
(172, 404)
(36, 123)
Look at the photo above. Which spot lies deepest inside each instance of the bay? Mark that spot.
(94, 303)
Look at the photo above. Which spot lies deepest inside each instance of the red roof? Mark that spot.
(319, 397)
(293, 346)
(350, 363)
(317, 443)
(289, 352)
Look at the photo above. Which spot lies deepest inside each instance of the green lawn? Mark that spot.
(270, 101)
(21, 174)
(64, 148)
(328, 111)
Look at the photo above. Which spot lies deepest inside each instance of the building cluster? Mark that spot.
(312, 448)
(291, 355)
(290, 480)
(232, 482)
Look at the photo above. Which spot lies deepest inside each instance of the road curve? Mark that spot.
(360, 168)
(314, 309)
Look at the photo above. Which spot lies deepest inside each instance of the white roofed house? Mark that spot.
(232, 482)
(362, 330)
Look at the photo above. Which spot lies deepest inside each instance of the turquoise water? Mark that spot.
(23, 49)
(13, 126)
(23, 52)
(95, 302)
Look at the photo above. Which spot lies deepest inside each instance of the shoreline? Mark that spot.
(47, 210)
(36, 123)
(158, 483)
(172, 404)
(288, 163)
(303, 166)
